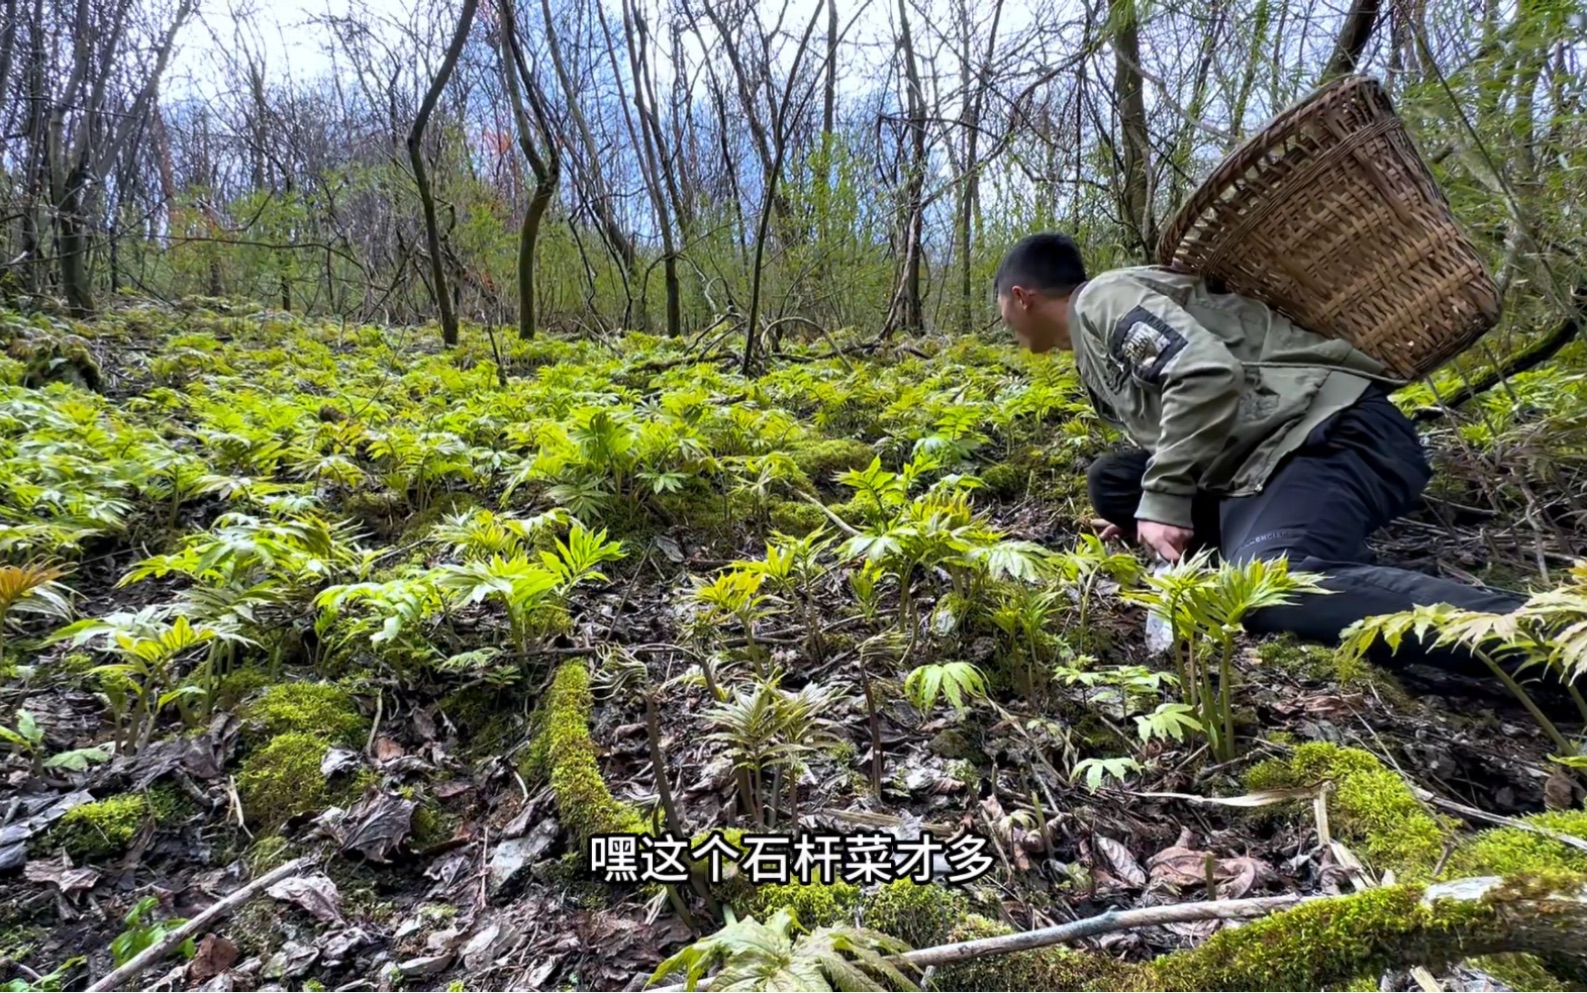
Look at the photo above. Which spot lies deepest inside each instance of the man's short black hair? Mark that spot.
(1049, 262)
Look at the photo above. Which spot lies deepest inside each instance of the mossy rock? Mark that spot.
(566, 754)
(323, 710)
(823, 458)
(104, 828)
(56, 358)
(919, 915)
(1005, 481)
(283, 779)
(814, 904)
(796, 518)
(1370, 808)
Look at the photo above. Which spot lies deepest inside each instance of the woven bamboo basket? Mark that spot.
(1330, 216)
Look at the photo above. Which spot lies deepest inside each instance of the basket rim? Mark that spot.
(1236, 162)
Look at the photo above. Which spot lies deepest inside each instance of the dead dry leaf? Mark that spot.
(215, 955)
(316, 894)
(59, 873)
(378, 825)
(1118, 861)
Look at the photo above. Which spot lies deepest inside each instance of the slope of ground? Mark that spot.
(436, 621)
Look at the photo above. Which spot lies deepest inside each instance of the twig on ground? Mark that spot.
(1114, 920)
(1465, 811)
(120, 979)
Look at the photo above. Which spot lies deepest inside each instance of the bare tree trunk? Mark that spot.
(970, 189)
(829, 101)
(1129, 96)
(8, 41)
(907, 311)
(781, 120)
(432, 233)
(617, 240)
(547, 168)
(658, 177)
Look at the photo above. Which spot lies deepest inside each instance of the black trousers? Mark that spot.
(1355, 473)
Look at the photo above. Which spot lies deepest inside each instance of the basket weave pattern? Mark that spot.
(1330, 216)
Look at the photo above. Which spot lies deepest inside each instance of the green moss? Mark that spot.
(1503, 851)
(268, 852)
(283, 778)
(239, 685)
(1004, 480)
(1331, 942)
(1521, 972)
(796, 518)
(814, 904)
(1039, 969)
(567, 755)
(1370, 808)
(102, 828)
(323, 710)
(1303, 660)
(822, 458)
(916, 914)
(433, 823)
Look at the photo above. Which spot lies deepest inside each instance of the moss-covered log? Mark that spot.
(1321, 944)
(566, 753)
(1330, 943)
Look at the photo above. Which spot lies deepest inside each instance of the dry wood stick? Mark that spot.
(120, 978)
(1113, 920)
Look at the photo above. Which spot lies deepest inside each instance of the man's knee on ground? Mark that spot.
(1113, 482)
(1286, 543)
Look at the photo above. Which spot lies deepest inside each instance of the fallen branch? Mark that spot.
(120, 979)
(1113, 920)
(1316, 942)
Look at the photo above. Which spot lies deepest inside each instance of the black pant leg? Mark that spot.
(1357, 473)
(1114, 485)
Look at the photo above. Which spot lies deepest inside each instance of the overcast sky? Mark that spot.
(293, 45)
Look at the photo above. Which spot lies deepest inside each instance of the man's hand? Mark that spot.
(1106, 530)
(1165, 539)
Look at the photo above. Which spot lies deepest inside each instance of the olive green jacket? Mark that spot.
(1217, 387)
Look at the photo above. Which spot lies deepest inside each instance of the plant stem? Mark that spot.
(1526, 701)
(1226, 692)
(658, 763)
(776, 791)
(875, 723)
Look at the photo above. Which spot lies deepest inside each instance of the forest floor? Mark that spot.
(432, 622)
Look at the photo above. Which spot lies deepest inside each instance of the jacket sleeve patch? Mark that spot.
(1145, 344)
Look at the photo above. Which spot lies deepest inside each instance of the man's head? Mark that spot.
(1033, 286)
